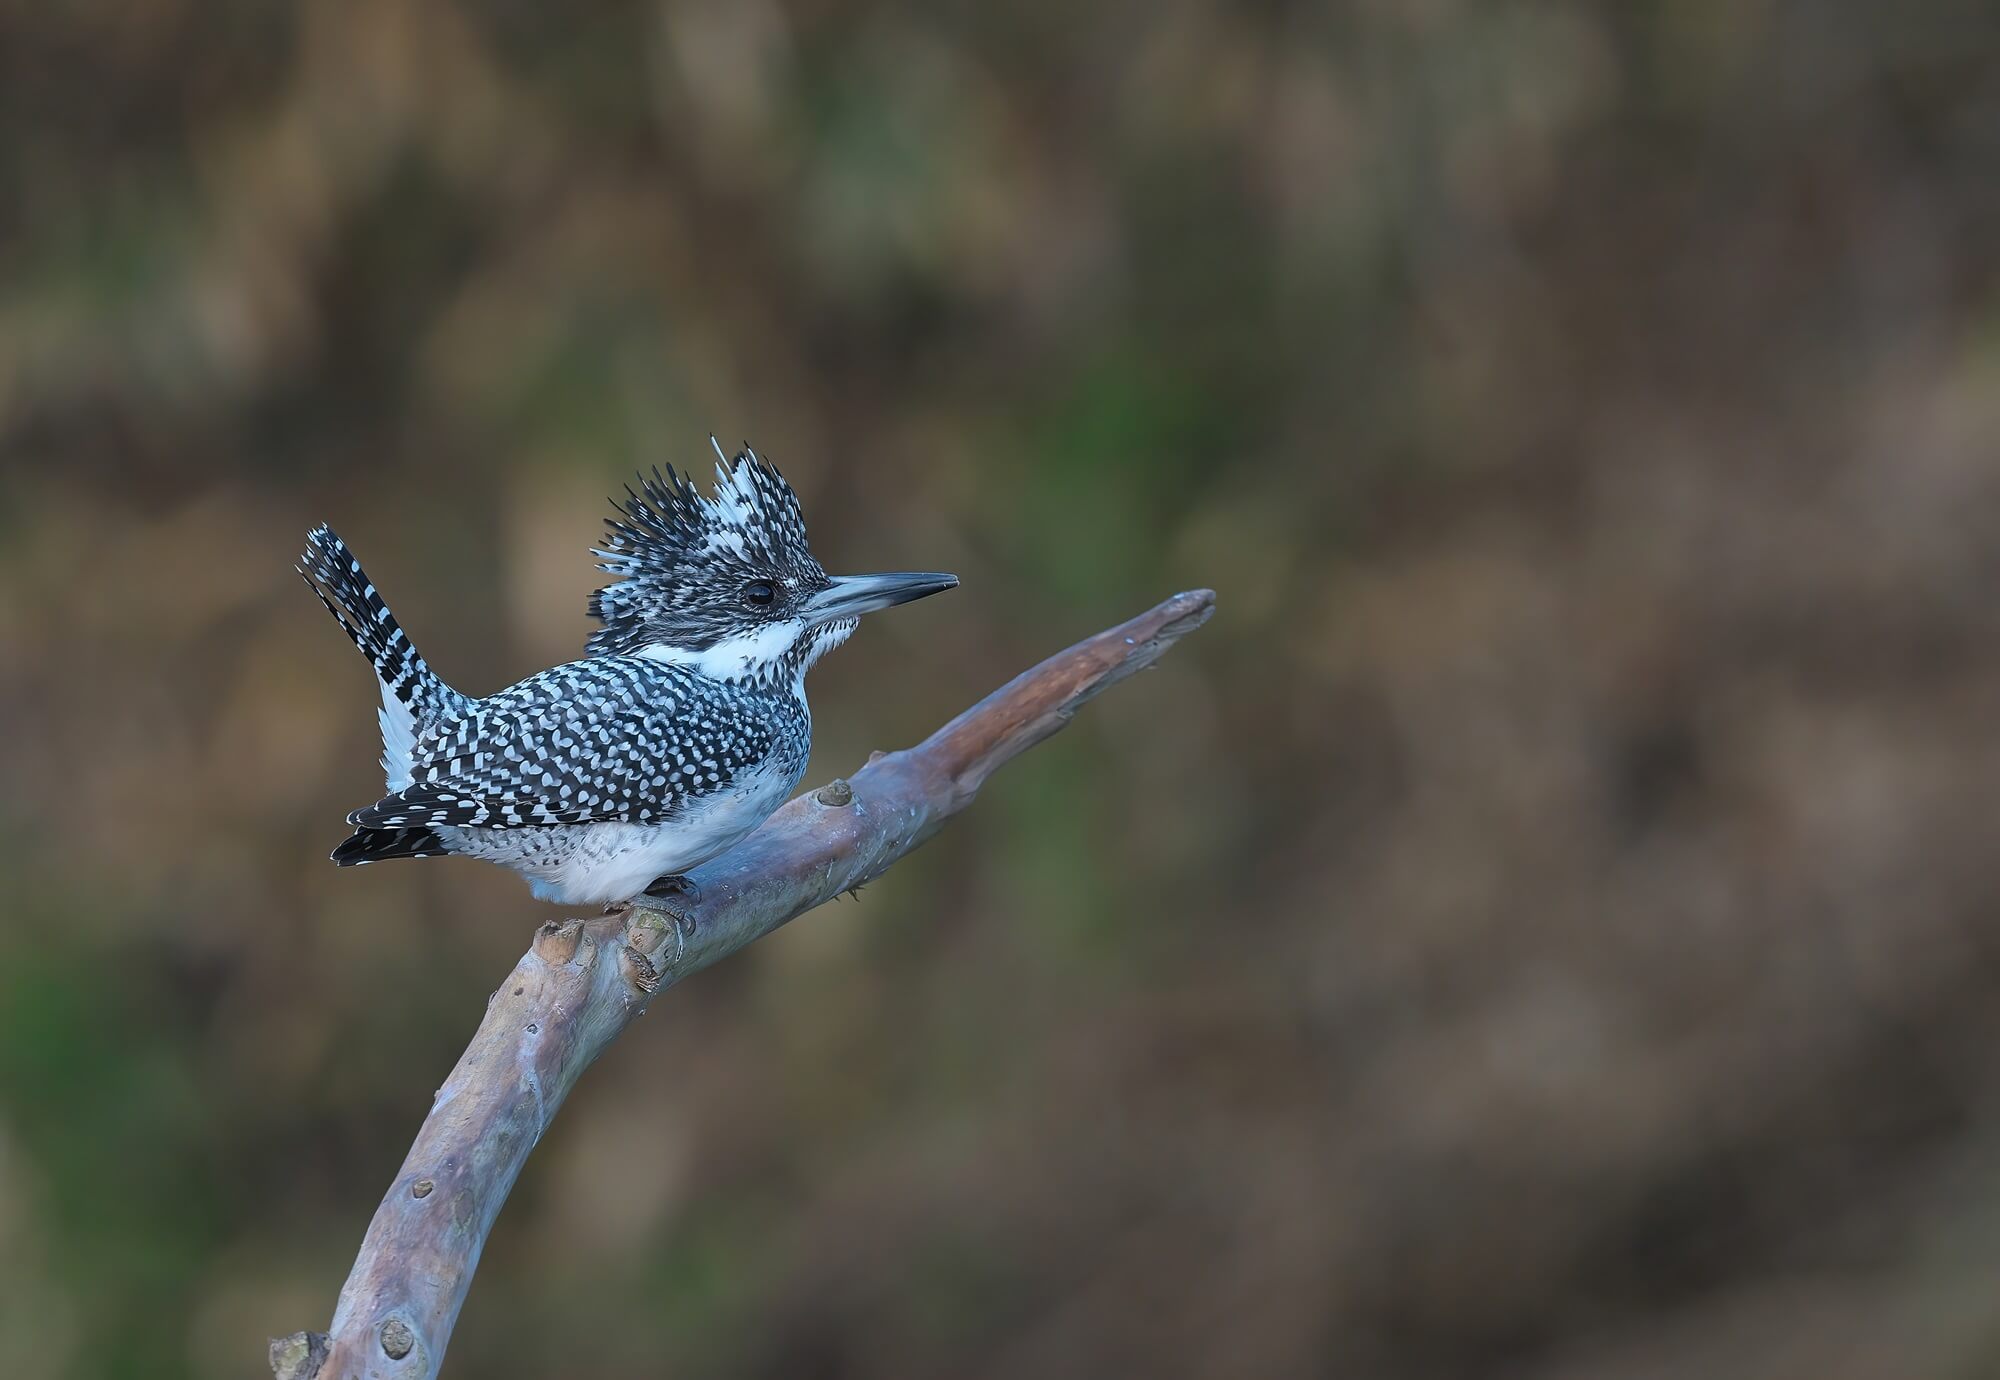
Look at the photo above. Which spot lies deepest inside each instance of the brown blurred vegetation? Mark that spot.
(1544, 927)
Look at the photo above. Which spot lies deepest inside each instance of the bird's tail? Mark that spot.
(412, 694)
(374, 845)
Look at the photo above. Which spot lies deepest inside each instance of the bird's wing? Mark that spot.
(623, 739)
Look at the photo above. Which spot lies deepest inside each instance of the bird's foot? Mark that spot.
(658, 889)
(683, 922)
(674, 885)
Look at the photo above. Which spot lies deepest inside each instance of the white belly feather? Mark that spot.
(584, 864)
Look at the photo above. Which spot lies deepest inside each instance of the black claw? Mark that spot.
(675, 886)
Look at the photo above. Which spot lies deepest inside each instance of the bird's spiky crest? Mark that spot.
(754, 514)
(667, 541)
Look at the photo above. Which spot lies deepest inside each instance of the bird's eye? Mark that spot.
(760, 592)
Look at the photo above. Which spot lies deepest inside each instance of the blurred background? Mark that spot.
(1545, 926)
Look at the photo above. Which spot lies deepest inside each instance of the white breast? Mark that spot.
(591, 864)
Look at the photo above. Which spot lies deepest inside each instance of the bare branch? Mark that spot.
(583, 981)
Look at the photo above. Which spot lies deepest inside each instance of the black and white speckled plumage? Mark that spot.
(412, 694)
(682, 730)
(630, 739)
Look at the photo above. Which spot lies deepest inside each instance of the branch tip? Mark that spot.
(556, 941)
(299, 1356)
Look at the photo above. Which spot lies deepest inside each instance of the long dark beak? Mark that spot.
(851, 595)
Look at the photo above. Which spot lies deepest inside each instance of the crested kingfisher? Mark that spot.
(681, 730)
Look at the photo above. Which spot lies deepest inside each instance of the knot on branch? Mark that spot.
(397, 1339)
(647, 931)
(638, 970)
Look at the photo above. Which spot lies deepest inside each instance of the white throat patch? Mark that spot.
(741, 657)
(750, 655)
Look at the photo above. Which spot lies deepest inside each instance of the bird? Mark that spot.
(684, 726)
